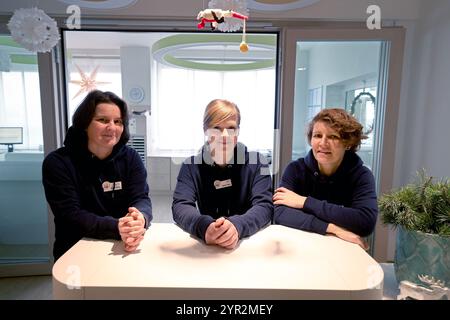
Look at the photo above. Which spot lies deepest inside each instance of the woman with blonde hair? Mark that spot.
(224, 193)
(329, 190)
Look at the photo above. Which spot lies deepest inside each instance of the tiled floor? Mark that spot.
(26, 288)
(390, 286)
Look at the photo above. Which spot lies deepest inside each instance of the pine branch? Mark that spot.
(423, 205)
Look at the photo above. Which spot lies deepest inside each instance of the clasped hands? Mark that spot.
(132, 229)
(222, 232)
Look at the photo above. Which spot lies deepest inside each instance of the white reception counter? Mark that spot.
(275, 263)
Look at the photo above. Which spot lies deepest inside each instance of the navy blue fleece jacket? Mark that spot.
(247, 203)
(73, 179)
(347, 198)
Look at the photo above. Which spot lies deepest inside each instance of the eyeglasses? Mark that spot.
(222, 132)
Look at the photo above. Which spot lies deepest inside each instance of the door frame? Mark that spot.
(395, 37)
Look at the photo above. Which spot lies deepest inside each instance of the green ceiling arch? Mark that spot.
(23, 59)
(9, 42)
(162, 48)
(19, 58)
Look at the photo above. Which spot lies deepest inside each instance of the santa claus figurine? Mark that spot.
(216, 16)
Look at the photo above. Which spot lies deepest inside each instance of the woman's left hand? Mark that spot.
(288, 198)
(346, 235)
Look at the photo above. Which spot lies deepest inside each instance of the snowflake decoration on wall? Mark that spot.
(231, 24)
(34, 30)
(87, 83)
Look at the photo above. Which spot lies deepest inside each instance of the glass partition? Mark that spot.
(336, 74)
(23, 209)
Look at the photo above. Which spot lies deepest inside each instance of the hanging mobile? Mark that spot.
(243, 47)
(217, 16)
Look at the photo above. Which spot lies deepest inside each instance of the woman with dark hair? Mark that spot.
(330, 190)
(96, 185)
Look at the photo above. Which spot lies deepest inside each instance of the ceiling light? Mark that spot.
(101, 4)
(266, 5)
(169, 51)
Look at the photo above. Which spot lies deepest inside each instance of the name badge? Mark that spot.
(222, 184)
(110, 186)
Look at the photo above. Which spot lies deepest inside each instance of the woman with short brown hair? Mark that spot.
(329, 190)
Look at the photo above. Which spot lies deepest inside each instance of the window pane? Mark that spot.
(23, 209)
(105, 75)
(334, 74)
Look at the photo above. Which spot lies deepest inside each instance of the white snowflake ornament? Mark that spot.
(34, 29)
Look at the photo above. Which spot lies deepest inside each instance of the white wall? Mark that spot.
(423, 136)
(331, 63)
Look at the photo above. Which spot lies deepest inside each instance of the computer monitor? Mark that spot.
(11, 136)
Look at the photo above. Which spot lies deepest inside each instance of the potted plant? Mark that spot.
(421, 212)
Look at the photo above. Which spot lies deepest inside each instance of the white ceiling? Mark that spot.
(188, 9)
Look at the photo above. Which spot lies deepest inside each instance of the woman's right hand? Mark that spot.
(346, 235)
(288, 198)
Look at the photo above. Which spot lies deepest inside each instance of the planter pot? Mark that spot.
(419, 253)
